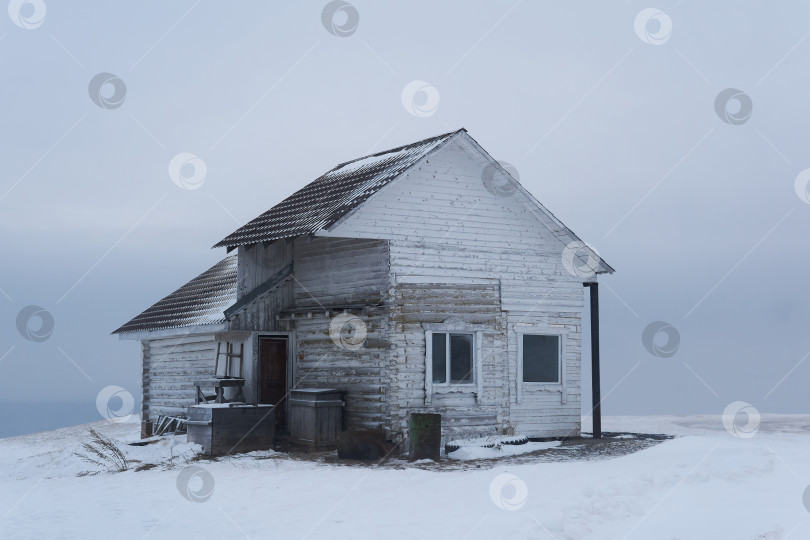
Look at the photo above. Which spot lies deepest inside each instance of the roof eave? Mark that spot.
(179, 331)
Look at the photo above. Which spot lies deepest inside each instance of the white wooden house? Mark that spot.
(446, 286)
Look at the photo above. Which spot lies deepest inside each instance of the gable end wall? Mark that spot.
(445, 227)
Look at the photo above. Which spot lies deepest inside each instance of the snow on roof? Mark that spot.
(200, 301)
(317, 206)
(321, 203)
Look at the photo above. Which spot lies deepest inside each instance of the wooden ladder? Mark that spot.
(229, 357)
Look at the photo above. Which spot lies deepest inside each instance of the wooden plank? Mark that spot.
(260, 290)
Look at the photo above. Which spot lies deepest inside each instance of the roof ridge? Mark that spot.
(396, 149)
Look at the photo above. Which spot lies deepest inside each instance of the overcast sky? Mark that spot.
(610, 115)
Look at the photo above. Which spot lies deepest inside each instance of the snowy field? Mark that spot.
(704, 483)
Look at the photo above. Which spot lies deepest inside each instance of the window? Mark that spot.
(229, 363)
(452, 358)
(541, 358)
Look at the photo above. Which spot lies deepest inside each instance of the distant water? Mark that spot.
(18, 418)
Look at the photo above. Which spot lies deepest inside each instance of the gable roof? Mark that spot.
(323, 202)
(584, 252)
(317, 206)
(200, 301)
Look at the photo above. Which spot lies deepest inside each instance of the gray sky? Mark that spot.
(618, 137)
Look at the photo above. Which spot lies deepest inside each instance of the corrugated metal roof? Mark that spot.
(321, 203)
(200, 301)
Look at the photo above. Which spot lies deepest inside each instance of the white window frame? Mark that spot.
(560, 385)
(453, 326)
(448, 382)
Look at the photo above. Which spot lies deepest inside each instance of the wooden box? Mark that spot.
(316, 416)
(221, 429)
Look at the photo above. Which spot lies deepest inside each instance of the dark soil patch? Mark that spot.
(611, 445)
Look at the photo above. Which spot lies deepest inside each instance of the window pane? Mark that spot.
(439, 358)
(541, 358)
(461, 358)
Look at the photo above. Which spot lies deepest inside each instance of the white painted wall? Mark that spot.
(445, 227)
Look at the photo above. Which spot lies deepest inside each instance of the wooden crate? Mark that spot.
(221, 429)
(316, 416)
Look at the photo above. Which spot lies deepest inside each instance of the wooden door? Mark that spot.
(273, 376)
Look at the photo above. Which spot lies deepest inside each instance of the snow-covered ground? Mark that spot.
(471, 452)
(704, 483)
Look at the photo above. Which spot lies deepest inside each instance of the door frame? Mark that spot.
(291, 352)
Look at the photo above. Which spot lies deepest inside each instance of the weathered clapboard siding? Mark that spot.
(335, 272)
(259, 262)
(443, 222)
(543, 409)
(339, 271)
(172, 365)
(445, 227)
(434, 249)
(256, 265)
(474, 410)
(323, 363)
